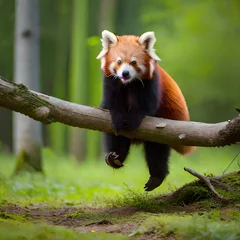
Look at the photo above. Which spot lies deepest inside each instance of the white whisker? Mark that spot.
(112, 75)
(140, 81)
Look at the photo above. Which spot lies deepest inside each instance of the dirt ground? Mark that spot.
(95, 220)
(62, 217)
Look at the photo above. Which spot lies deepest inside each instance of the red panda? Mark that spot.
(135, 86)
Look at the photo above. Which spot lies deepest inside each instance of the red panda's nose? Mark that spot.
(126, 74)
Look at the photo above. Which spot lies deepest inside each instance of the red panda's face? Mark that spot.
(128, 57)
(125, 70)
(127, 60)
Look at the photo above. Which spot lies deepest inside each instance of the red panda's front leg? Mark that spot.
(117, 116)
(117, 148)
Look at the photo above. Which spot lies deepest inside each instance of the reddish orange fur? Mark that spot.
(173, 105)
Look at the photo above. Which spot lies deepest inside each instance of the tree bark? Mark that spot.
(77, 83)
(58, 132)
(27, 136)
(47, 109)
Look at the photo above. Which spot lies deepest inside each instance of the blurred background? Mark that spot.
(198, 42)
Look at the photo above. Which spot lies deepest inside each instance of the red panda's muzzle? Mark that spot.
(126, 72)
(126, 75)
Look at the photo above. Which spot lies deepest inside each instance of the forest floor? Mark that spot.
(190, 212)
(132, 222)
(40, 207)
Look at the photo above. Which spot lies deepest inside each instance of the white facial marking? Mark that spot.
(103, 62)
(111, 68)
(126, 68)
(133, 59)
(151, 67)
(143, 69)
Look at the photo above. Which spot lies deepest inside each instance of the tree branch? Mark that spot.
(47, 109)
(207, 181)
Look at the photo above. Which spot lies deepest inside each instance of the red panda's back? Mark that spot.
(173, 105)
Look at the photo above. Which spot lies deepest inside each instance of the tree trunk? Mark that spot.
(107, 15)
(127, 10)
(58, 132)
(93, 147)
(27, 132)
(78, 83)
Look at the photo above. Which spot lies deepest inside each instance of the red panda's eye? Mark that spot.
(133, 62)
(119, 61)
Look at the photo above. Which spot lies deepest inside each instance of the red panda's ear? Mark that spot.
(147, 40)
(108, 38)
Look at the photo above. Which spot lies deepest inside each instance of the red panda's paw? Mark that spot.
(113, 161)
(129, 121)
(118, 121)
(133, 120)
(152, 183)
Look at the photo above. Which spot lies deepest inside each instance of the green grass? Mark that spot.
(30, 231)
(68, 182)
(189, 227)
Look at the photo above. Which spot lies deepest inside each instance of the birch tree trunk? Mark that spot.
(27, 136)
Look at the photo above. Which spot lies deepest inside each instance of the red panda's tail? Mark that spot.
(184, 150)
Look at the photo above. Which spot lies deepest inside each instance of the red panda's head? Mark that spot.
(128, 57)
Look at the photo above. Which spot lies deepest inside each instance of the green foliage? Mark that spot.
(3, 187)
(93, 138)
(6, 41)
(198, 42)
